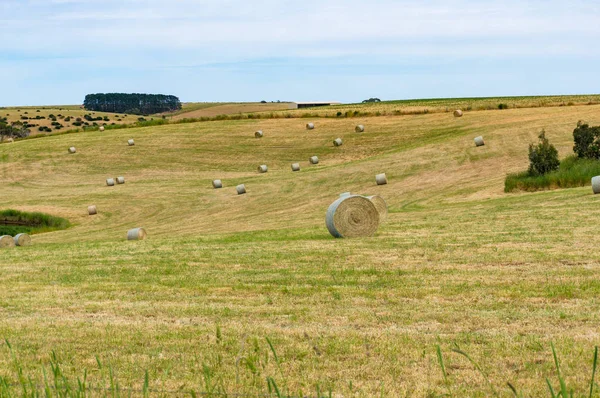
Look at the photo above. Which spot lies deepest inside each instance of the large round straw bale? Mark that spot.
(258, 134)
(120, 180)
(136, 234)
(241, 189)
(381, 179)
(380, 205)
(92, 210)
(131, 142)
(337, 142)
(479, 141)
(72, 149)
(263, 168)
(295, 166)
(310, 126)
(352, 216)
(7, 241)
(110, 182)
(11, 140)
(359, 129)
(314, 160)
(217, 184)
(22, 240)
(101, 128)
(596, 184)
(458, 113)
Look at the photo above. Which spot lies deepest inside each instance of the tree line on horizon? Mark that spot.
(135, 104)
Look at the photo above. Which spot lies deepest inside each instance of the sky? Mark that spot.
(57, 51)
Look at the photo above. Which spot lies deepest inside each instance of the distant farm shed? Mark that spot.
(300, 105)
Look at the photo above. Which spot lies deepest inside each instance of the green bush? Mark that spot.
(543, 157)
(587, 141)
(502, 106)
(13, 222)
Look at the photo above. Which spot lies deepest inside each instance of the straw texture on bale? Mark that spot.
(458, 113)
(92, 210)
(22, 240)
(136, 234)
(263, 168)
(110, 182)
(310, 126)
(352, 216)
(381, 179)
(217, 184)
(131, 142)
(479, 141)
(380, 205)
(360, 128)
(241, 189)
(7, 241)
(120, 180)
(337, 142)
(314, 160)
(596, 184)
(295, 166)
(72, 150)
(258, 134)
(101, 128)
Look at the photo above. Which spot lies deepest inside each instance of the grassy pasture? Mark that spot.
(459, 263)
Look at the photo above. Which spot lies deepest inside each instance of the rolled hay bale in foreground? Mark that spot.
(241, 189)
(258, 134)
(263, 168)
(352, 216)
(131, 142)
(360, 128)
(22, 240)
(72, 150)
(338, 142)
(11, 140)
(458, 113)
(217, 184)
(295, 166)
(381, 179)
(380, 205)
(596, 184)
(101, 128)
(479, 141)
(92, 210)
(136, 234)
(110, 182)
(314, 160)
(310, 126)
(120, 180)
(7, 241)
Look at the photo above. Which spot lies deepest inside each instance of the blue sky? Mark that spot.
(56, 51)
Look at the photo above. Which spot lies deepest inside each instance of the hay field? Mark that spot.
(200, 109)
(459, 263)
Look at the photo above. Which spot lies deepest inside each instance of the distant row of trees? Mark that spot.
(135, 104)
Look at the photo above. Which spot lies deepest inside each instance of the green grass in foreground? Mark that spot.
(13, 222)
(573, 172)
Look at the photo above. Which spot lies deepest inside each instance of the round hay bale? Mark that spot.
(295, 166)
(258, 134)
(110, 182)
(263, 168)
(241, 189)
(458, 113)
(131, 142)
(136, 234)
(72, 150)
(596, 184)
(314, 160)
(310, 126)
(101, 128)
(381, 179)
(337, 142)
(22, 240)
(352, 216)
(360, 128)
(7, 241)
(479, 141)
(92, 210)
(11, 140)
(217, 184)
(120, 180)
(380, 205)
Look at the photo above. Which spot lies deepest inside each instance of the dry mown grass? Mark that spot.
(459, 263)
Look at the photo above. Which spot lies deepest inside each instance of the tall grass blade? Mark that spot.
(476, 365)
(441, 362)
(563, 385)
(594, 371)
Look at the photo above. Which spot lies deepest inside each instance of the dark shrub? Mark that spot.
(587, 141)
(543, 157)
(502, 106)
